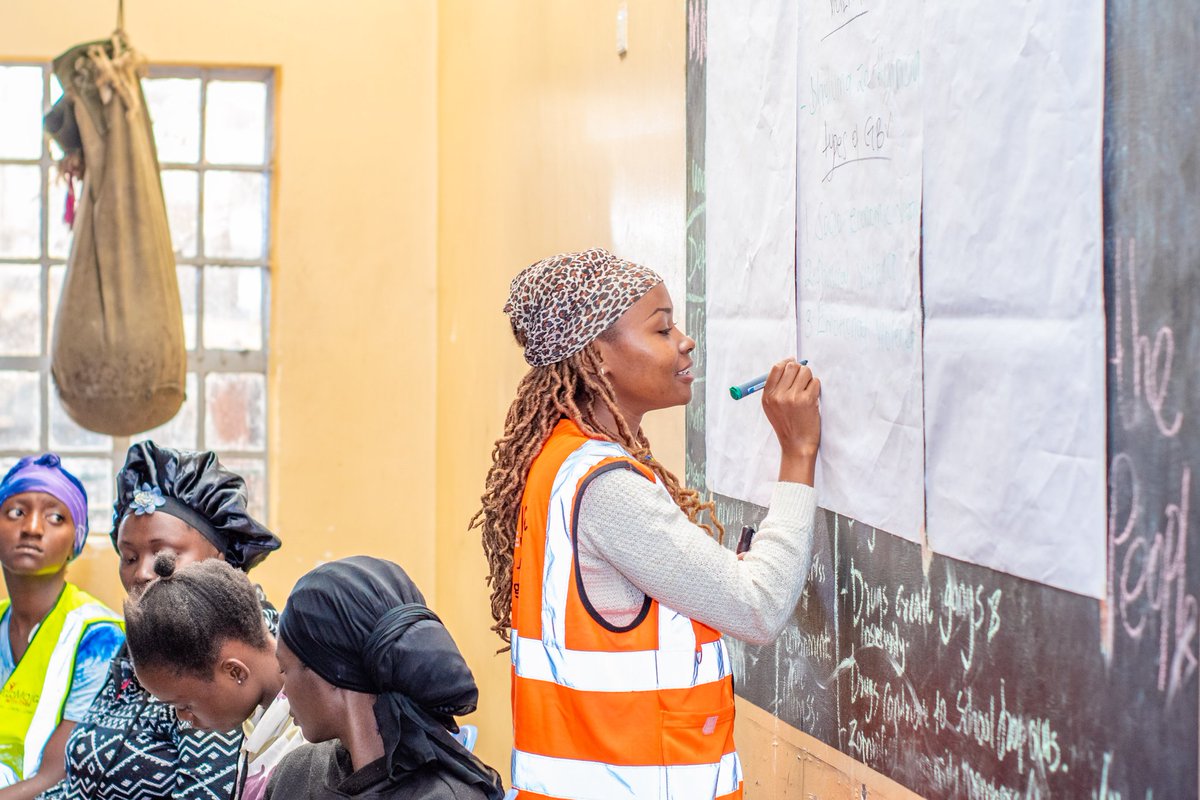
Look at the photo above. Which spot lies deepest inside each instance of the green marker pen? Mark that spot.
(750, 387)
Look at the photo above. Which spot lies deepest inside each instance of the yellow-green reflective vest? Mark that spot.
(34, 697)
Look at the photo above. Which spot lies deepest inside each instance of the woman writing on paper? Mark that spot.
(610, 589)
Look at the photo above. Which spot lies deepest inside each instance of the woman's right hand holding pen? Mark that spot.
(790, 401)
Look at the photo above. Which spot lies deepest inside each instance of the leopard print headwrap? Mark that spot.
(562, 303)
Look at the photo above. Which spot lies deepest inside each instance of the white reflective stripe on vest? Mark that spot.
(675, 631)
(589, 780)
(603, 671)
(59, 676)
(560, 554)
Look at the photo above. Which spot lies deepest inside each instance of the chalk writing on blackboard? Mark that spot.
(1147, 376)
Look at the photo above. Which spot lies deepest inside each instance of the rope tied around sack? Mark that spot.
(119, 73)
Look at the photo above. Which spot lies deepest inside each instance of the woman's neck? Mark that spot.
(360, 734)
(606, 420)
(33, 598)
(264, 664)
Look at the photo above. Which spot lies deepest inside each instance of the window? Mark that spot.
(214, 133)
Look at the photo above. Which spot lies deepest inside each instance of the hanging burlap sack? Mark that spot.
(118, 356)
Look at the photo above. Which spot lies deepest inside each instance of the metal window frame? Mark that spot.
(201, 361)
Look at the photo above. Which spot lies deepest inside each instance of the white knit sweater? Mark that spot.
(634, 541)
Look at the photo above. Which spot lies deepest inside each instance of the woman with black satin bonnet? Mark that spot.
(376, 680)
(185, 504)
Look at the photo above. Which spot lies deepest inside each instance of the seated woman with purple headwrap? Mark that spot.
(55, 639)
(374, 677)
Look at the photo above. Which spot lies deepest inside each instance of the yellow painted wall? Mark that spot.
(427, 152)
(548, 141)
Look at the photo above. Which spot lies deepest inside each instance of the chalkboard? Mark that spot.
(959, 681)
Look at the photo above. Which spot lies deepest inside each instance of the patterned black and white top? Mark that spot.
(130, 746)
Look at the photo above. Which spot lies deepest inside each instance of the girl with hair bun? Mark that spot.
(198, 642)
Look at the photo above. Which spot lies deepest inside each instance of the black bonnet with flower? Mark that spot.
(193, 486)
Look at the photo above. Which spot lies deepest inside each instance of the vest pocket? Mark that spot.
(696, 737)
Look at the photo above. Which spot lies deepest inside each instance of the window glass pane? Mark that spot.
(235, 122)
(182, 430)
(20, 212)
(97, 476)
(175, 114)
(20, 410)
(54, 289)
(233, 308)
(234, 214)
(56, 152)
(56, 92)
(235, 417)
(254, 470)
(181, 190)
(21, 99)
(20, 310)
(58, 232)
(188, 278)
(66, 435)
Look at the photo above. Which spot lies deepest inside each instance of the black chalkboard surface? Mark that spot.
(959, 681)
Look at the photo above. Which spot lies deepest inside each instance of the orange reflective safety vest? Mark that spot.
(602, 712)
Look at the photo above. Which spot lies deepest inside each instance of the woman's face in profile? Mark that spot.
(313, 700)
(209, 704)
(647, 358)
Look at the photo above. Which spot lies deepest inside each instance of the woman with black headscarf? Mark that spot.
(186, 504)
(374, 676)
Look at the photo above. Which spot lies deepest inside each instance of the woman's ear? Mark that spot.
(235, 670)
(604, 354)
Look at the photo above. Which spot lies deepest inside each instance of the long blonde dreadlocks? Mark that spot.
(570, 388)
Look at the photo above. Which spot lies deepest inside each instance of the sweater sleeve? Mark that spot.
(97, 647)
(633, 525)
